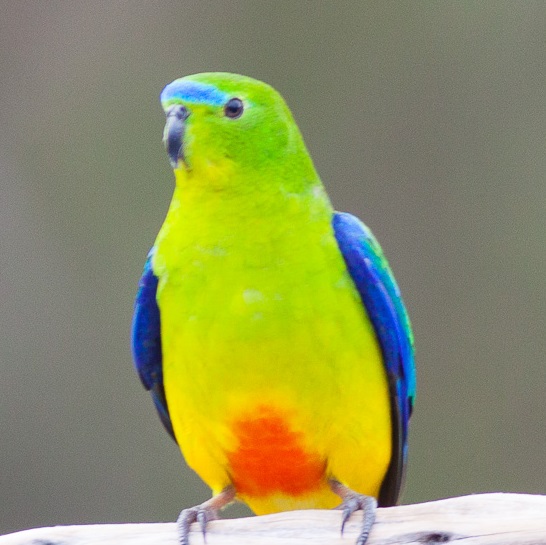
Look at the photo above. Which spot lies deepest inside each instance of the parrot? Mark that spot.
(267, 326)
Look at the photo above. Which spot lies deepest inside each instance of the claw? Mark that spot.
(202, 514)
(351, 502)
(186, 518)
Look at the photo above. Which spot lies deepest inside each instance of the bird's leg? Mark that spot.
(202, 514)
(351, 502)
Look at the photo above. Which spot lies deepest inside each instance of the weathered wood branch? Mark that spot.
(484, 519)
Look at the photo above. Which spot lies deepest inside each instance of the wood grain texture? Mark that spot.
(484, 519)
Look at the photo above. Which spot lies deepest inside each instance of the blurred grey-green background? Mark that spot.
(426, 119)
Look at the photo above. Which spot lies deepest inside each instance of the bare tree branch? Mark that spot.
(485, 519)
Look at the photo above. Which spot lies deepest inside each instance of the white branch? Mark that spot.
(485, 519)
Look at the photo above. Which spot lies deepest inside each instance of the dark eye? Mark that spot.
(234, 108)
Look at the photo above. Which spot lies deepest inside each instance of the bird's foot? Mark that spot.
(351, 502)
(202, 514)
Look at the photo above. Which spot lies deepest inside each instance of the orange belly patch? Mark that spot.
(271, 457)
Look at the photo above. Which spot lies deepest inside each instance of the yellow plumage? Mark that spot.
(258, 312)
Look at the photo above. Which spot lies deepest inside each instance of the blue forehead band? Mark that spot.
(191, 91)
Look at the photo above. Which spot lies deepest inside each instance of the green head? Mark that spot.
(224, 129)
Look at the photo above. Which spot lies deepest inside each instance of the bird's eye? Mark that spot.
(234, 108)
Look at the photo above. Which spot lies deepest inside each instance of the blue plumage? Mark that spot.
(381, 297)
(189, 91)
(146, 342)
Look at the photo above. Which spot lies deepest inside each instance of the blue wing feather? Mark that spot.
(146, 342)
(381, 298)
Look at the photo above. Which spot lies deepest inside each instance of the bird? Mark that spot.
(268, 327)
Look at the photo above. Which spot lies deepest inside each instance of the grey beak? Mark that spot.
(173, 135)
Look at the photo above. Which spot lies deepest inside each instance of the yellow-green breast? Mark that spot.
(272, 371)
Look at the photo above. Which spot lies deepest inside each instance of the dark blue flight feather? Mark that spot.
(146, 342)
(381, 298)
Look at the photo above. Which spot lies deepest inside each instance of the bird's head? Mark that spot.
(219, 124)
